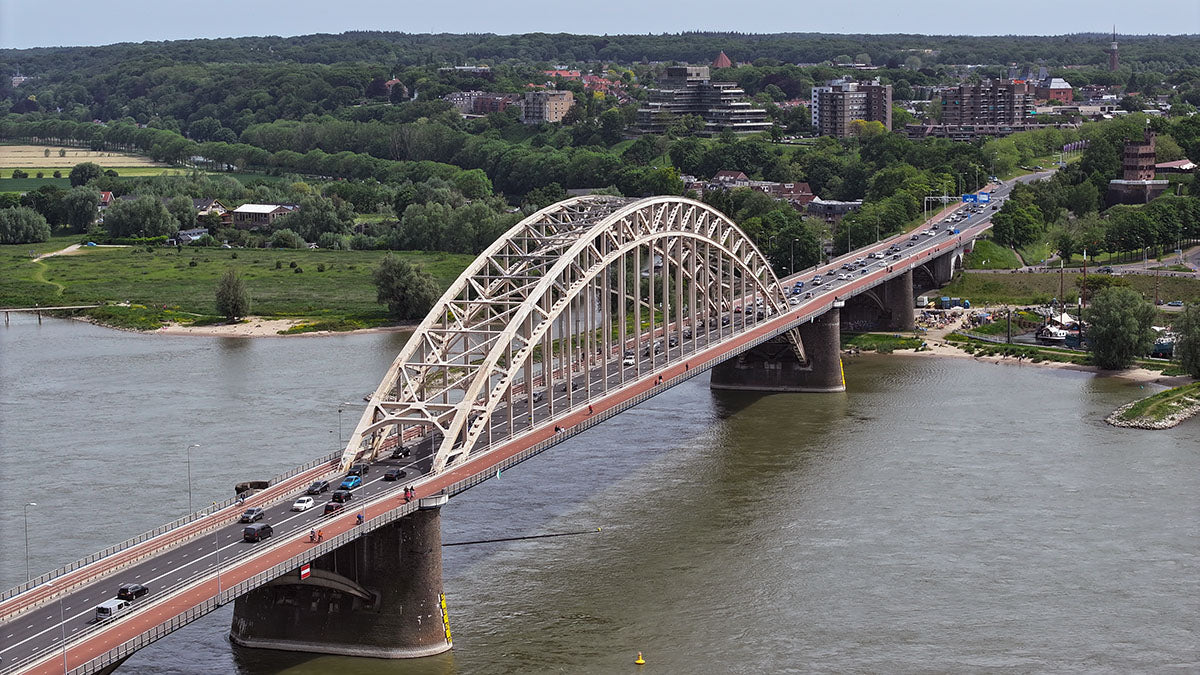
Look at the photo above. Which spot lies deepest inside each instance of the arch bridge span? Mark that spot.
(580, 297)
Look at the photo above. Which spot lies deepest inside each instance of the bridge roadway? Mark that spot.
(194, 570)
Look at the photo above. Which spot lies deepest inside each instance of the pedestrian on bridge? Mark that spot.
(320, 535)
(312, 535)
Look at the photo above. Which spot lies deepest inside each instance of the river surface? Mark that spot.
(943, 515)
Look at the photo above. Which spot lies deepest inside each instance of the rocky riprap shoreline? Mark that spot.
(1167, 422)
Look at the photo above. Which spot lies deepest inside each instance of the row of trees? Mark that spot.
(1119, 330)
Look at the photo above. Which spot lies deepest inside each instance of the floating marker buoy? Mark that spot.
(639, 660)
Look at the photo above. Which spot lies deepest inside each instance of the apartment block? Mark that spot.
(996, 102)
(546, 105)
(689, 90)
(836, 105)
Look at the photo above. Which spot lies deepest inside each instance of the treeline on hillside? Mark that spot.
(563, 48)
(457, 215)
(1068, 209)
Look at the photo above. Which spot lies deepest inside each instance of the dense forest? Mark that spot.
(317, 112)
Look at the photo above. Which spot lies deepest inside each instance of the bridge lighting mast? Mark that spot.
(189, 474)
(26, 508)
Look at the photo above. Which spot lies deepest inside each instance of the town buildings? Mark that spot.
(971, 132)
(255, 216)
(1137, 184)
(994, 102)
(1055, 89)
(689, 90)
(481, 102)
(839, 103)
(797, 194)
(546, 105)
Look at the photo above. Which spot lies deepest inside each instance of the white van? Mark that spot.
(111, 608)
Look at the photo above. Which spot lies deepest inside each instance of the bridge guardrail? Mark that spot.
(150, 534)
(280, 569)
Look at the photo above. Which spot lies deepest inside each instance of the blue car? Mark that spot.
(350, 483)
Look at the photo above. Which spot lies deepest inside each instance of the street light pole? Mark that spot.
(792, 250)
(62, 622)
(341, 408)
(189, 472)
(27, 576)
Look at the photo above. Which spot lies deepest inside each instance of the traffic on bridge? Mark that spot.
(578, 313)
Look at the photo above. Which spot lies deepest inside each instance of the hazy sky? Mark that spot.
(42, 23)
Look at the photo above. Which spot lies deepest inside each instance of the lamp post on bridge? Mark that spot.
(341, 409)
(62, 622)
(189, 473)
(26, 508)
(792, 251)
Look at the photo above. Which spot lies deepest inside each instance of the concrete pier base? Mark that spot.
(899, 302)
(379, 596)
(773, 366)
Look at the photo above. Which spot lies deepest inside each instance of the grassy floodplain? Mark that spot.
(331, 287)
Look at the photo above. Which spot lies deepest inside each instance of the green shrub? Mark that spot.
(192, 262)
(299, 270)
(292, 264)
(278, 264)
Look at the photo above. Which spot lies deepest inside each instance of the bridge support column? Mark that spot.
(942, 267)
(773, 366)
(379, 596)
(898, 300)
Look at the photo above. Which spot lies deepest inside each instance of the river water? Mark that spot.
(943, 515)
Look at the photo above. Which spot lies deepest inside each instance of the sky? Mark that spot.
(47, 23)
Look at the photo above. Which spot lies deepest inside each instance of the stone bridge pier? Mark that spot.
(773, 366)
(378, 596)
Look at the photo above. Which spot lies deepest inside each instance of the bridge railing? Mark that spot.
(312, 552)
(150, 534)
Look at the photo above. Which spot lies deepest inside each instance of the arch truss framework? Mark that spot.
(546, 316)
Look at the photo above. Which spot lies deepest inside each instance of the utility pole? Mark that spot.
(1009, 325)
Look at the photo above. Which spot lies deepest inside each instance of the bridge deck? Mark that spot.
(197, 582)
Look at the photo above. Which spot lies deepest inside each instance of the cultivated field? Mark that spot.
(27, 157)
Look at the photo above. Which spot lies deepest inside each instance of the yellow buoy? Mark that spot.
(639, 660)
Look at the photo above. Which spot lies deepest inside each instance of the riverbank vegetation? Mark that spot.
(165, 284)
(1166, 408)
(883, 343)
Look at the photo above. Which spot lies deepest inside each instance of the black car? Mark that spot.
(257, 532)
(131, 591)
(342, 496)
(395, 474)
(334, 507)
(399, 453)
(317, 488)
(252, 514)
(361, 469)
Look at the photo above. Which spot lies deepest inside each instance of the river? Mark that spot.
(943, 515)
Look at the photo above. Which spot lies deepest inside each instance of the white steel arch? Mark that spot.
(555, 293)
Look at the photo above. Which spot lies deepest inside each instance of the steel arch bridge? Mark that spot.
(562, 300)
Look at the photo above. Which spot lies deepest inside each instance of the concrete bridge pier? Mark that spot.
(379, 596)
(773, 366)
(899, 302)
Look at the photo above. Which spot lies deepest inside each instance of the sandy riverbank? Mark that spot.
(260, 327)
(1140, 375)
